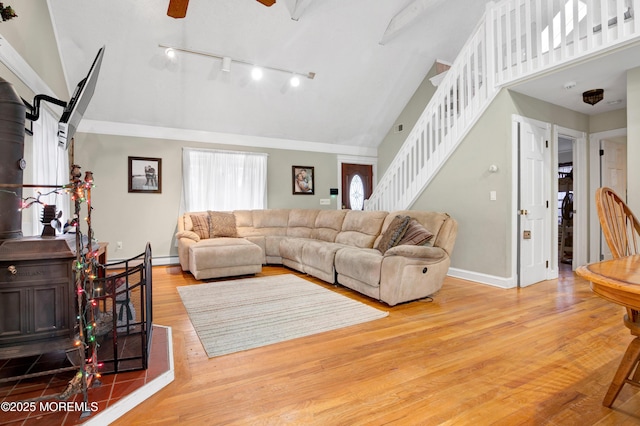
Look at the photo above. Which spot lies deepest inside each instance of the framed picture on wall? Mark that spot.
(145, 175)
(302, 180)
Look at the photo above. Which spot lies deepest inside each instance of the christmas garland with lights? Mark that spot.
(7, 12)
(85, 269)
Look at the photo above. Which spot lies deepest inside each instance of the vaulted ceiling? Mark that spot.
(368, 56)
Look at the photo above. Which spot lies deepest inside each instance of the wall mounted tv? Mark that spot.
(75, 109)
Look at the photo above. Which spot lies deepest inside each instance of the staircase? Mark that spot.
(515, 40)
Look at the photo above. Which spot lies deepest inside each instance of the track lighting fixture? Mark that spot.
(257, 72)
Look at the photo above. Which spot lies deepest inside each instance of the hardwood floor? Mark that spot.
(475, 355)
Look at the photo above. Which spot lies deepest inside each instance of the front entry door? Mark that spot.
(533, 212)
(357, 184)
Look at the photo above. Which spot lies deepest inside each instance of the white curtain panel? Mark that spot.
(223, 180)
(50, 167)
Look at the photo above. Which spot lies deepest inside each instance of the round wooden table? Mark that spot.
(618, 281)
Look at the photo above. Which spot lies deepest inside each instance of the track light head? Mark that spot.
(257, 73)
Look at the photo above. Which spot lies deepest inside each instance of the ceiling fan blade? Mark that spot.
(267, 3)
(178, 8)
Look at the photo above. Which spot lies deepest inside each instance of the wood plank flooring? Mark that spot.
(475, 355)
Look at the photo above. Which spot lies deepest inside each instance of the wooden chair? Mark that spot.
(621, 231)
(619, 225)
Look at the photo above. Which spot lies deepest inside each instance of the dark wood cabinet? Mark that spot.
(37, 297)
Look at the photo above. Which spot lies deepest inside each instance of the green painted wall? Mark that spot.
(137, 218)
(463, 186)
(408, 118)
(608, 121)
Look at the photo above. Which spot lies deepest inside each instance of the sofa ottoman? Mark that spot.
(224, 257)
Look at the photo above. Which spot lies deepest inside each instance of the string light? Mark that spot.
(85, 272)
(29, 201)
(85, 266)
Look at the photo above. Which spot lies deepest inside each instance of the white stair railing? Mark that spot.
(451, 111)
(515, 40)
(538, 35)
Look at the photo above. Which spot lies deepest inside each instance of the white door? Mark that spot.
(534, 231)
(613, 166)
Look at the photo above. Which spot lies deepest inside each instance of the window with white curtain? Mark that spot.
(223, 180)
(50, 167)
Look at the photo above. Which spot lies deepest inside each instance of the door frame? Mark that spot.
(595, 180)
(580, 195)
(585, 174)
(351, 159)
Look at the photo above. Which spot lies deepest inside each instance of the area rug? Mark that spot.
(236, 315)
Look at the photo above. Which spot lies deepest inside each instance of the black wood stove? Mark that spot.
(37, 292)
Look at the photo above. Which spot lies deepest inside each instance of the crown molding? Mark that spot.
(156, 132)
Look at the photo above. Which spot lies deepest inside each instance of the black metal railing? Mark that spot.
(123, 313)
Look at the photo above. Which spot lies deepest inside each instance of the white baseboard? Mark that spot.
(165, 260)
(478, 277)
(156, 261)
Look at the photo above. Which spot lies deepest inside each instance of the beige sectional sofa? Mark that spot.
(338, 246)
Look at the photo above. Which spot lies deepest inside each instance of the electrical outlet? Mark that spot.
(119, 245)
(325, 201)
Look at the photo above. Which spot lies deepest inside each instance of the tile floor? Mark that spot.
(113, 387)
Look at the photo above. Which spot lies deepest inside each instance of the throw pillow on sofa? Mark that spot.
(416, 234)
(200, 225)
(222, 225)
(394, 233)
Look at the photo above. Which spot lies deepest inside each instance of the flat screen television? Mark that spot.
(75, 109)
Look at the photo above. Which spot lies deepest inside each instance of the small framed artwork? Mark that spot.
(302, 180)
(145, 175)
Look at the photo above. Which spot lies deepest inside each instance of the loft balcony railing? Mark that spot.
(514, 40)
